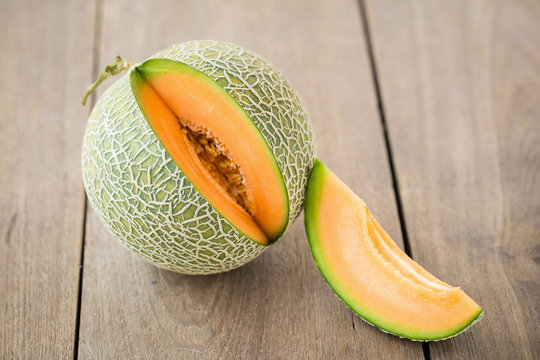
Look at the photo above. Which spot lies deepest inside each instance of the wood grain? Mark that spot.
(278, 306)
(44, 64)
(461, 88)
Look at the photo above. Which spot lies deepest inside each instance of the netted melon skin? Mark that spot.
(144, 199)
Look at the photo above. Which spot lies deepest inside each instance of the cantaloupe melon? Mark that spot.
(197, 159)
(369, 272)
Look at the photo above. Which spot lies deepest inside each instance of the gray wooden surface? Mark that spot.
(455, 84)
(45, 60)
(469, 169)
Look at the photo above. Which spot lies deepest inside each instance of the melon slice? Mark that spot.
(369, 272)
(215, 144)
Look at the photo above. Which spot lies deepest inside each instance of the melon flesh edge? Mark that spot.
(171, 93)
(371, 274)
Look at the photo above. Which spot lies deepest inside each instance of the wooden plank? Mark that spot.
(461, 88)
(278, 306)
(45, 60)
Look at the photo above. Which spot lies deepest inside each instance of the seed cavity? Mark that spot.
(219, 164)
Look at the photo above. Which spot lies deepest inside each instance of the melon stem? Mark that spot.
(114, 68)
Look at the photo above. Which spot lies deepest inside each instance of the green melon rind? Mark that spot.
(154, 67)
(312, 202)
(144, 199)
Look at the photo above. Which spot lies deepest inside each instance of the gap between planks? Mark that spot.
(98, 21)
(384, 127)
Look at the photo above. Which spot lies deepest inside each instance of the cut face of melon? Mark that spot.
(215, 144)
(369, 272)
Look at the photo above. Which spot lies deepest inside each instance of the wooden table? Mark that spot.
(429, 110)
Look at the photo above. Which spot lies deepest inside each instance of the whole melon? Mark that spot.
(198, 158)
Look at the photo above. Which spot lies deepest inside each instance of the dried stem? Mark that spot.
(114, 68)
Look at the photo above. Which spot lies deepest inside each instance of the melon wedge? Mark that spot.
(370, 273)
(181, 103)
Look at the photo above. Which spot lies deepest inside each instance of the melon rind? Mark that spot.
(144, 199)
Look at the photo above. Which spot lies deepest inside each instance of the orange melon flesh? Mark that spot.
(173, 96)
(166, 127)
(201, 106)
(370, 272)
(199, 102)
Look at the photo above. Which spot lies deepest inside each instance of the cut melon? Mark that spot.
(198, 158)
(179, 101)
(370, 273)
